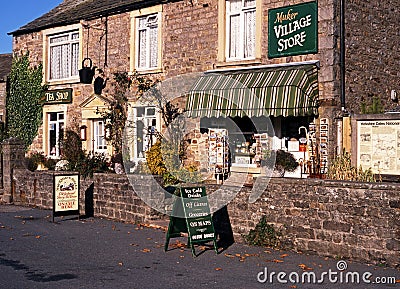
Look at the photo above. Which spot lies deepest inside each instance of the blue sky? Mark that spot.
(16, 13)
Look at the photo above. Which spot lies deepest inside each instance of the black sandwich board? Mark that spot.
(192, 203)
(65, 195)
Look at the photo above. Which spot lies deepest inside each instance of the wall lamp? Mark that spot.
(83, 132)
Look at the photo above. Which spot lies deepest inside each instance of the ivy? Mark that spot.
(23, 100)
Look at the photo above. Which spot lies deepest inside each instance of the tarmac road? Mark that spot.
(98, 253)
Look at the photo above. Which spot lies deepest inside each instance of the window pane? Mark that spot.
(58, 39)
(75, 59)
(234, 40)
(250, 34)
(150, 111)
(64, 55)
(140, 111)
(75, 36)
(235, 5)
(153, 47)
(142, 48)
(147, 41)
(249, 3)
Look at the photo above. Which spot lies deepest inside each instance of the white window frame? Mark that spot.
(56, 32)
(241, 14)
(99, 131)
(59, 126)
(146, 13)
(151, 23)
(149, 120)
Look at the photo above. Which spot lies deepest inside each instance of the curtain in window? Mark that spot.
(234, 45)
(250, 33)
(64, 56)
(142, 56)
(147, 42)
(153, 46)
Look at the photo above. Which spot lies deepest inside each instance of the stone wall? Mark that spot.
(359, 221)
(372, 52)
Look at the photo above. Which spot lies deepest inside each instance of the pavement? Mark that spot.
(100, 253)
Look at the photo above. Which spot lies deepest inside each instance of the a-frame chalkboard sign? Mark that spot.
(196, 221)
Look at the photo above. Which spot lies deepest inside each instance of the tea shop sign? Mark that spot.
(293, 30)
(57, 96)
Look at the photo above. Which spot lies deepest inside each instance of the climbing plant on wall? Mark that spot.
(23, 100)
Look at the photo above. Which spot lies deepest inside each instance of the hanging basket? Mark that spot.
(87, 72)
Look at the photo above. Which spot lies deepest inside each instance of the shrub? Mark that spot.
(264, 234)
(341, 169)
(34, 159)
(71, 149)
(92, 163)
(283, 161)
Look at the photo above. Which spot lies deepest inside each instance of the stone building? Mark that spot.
(5, 67)
(267, 73)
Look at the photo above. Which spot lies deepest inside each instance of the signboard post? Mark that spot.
(197, 220)
(65, 195)
(293, 30)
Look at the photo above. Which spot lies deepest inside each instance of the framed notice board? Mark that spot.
(65, 195)
(193, 205)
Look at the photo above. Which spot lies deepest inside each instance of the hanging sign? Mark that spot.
(57, 96)
(197, 221)
(65, 195)
(293, 30)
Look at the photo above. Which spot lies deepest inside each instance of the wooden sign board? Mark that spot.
(65, 195)
(197, 221)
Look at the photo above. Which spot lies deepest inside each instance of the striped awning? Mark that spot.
(265, 91)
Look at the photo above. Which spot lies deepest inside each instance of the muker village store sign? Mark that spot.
(293, 30)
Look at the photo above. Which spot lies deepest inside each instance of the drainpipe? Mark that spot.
(342, 57)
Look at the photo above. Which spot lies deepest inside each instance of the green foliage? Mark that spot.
(163, 160)
(116, 115)
(92, 163)
(375, 107)
(78, 160)
(34, 159)
(264, 234)
(71, 149)
(283, 161)
(341, 169)
(23, 103)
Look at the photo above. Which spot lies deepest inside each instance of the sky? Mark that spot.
(17, 13)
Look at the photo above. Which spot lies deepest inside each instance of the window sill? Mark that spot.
(238, 63)
(62, 81)
(149, 71)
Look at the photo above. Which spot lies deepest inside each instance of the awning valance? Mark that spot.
(264, 91)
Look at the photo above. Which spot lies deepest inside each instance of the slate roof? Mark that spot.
(5, 66)
(72, 11)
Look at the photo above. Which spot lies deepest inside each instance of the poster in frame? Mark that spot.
(65, 195)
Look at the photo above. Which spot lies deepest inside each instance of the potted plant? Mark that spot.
(279, 162)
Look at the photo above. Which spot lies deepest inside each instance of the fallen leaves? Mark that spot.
(146, 250)
(241, 257)
(218, 269)
(152, 226)
(305, 267)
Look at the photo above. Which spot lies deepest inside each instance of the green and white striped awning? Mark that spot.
(265, 91)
